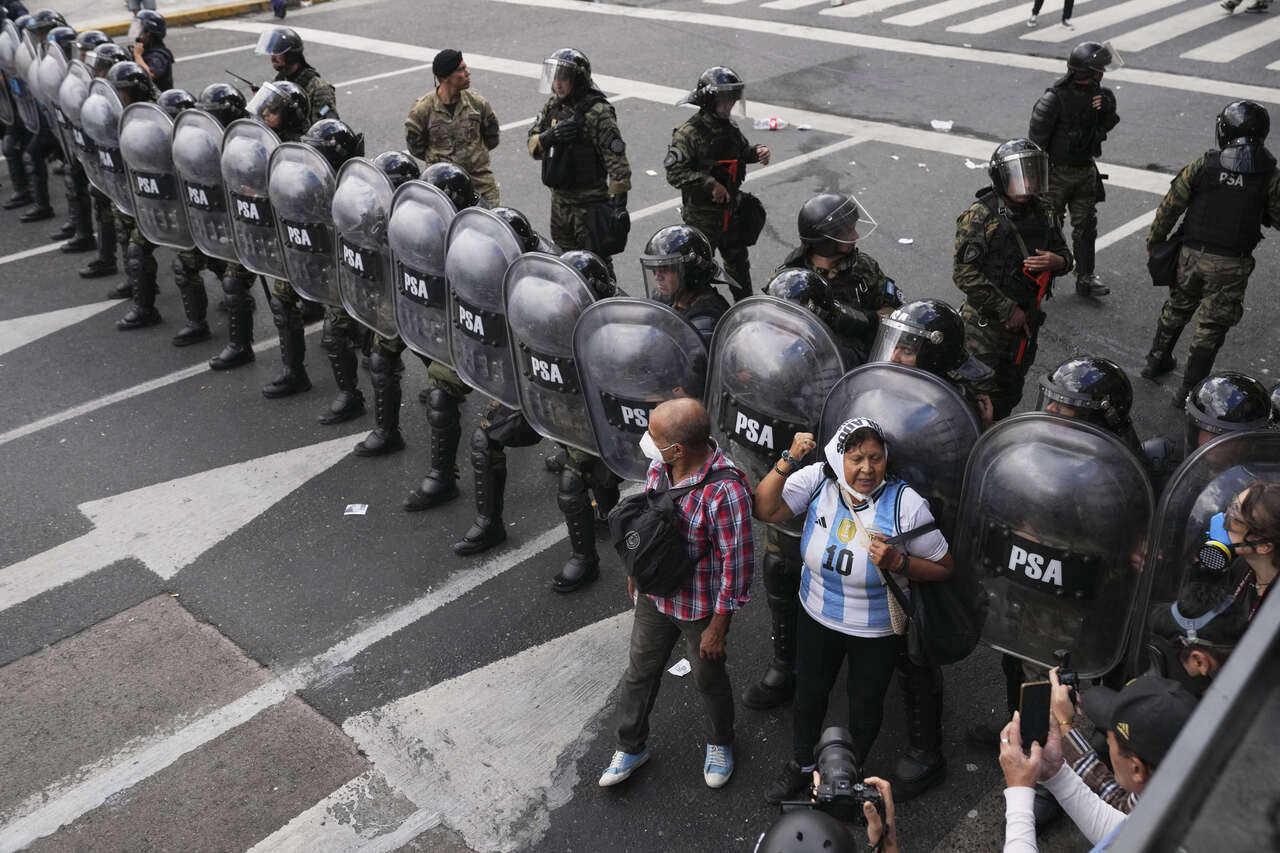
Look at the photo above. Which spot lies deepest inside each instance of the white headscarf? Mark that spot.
(835, 453)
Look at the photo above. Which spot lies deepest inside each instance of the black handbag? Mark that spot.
(607, 228)
(1162, 261)
(746, 221)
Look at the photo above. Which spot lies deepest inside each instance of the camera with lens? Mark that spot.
(840, 791)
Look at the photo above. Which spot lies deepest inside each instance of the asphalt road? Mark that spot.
(202, 652)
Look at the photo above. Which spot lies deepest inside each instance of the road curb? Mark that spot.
(187, 17)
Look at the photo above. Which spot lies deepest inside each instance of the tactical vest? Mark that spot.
(1002, 264)
(575, 165)
(304, 78)
(1226, 207)
(722, 143)
(704, 312)
(846, 286)
(1075, 136)
(165, 81)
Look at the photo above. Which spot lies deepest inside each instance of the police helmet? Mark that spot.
(174, 101)
(397, 166)
(335, 141)
(1091, 56)
(927, 333)
(42, 21)
(278, 41)
(798, 285)
(454, 182)
(131, 82)
(1019, 170)
(63, 37)
(153, 22)
(565, 63)
(681, 248)
(807, 831)
(88, 41)
(222, 101)
(829, 224)
(286, 100)
(520, 224)
(1226, 402)
(20, 23)
(1242, 123)
(593, 270)
(718, 84)
(1097, 389)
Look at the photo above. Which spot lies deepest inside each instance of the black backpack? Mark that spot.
(648, 540)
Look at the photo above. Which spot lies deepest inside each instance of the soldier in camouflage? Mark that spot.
(1069, 122)
(706, 161)
(1008, 248)
(452, 124)
(1227, 195)
(284, 46)
(680, 270)
(584, 159)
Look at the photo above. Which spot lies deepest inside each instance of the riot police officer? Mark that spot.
(1094, 390)
(78, 229)
(1225, 402)
(707, 161)
(98, 57)
(452, 124)
(1008, 248)
(1227, 195)
(284, 46)
(830, 225)
(1069, 122)
(680, 271)
(149, 49)
(16, 137)
(42, 143)
(583, 156)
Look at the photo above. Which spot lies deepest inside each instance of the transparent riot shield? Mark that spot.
(481, 247)
(197, 159)
(146, 134)
(21, 87)
(71, 97)
(246, 153)
(1054, 517)
(361, 209)
(544, 298)
(772, 364)
(100, 115)
(52, 70)
(633, 354)
(930, 427)
(418, 235)
(300, 187)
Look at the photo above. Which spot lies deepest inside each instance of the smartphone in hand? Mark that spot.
(1033, 707)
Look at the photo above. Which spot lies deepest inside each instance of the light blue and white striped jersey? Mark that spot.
(839, 586)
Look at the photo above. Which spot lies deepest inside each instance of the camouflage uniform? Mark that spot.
(464, 135)
(704, 151)
(988, 269)
(600, 150)
(321, 96)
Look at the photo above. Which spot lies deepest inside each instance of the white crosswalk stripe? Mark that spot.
(1012, 16)
(1168, 28)
(789, 5)
(1237, 44)
(1100, 19)
(862, 7)
(937, 12)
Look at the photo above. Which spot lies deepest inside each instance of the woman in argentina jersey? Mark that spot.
(851, 504)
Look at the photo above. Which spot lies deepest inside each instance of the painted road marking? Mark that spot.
(21, 331)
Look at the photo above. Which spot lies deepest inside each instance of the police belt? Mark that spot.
(1197, 246)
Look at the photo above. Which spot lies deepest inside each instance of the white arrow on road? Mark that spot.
(168, 525)
(21, 331)
(489, 754)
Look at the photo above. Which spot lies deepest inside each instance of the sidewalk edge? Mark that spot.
(187, 17)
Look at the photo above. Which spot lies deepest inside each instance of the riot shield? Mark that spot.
(146, 133)
(544, 298)
(930, 427)
(246, 153)
(481, 247)
(633, 354)
(300, 188)
(24, 101)
(1054, 517)
(8, 47)
(7, 114)
(418, 235)
(53, 70)
(361, 208)
(771, 366)
(71, 97)
(100, 115)
(197, 159)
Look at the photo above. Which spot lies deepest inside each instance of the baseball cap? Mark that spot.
(1146, 715)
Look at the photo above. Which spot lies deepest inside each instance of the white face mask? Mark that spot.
(650, 449)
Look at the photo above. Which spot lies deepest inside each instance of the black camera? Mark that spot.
(840, 791)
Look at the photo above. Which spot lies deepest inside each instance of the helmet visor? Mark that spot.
(268, 98)
(273, 43)
(1024, 175)
(663, 277)
(1057, 402)
(847, 224)
(557, 69)
(727, 99)
(901, 343)
(1108, 57)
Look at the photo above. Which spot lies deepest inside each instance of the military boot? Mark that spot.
(239, 348)
(779, 681)
(488, 529)
(141, 267)
(40, 207)
(922, 766)
(124, 289)
(80, 217)
(350, 402)
(20, 181)
(294, 379)
(104, 263)
(441, 483)
(385, 438)
(195, 304)
(1160, 359)
(1199, 365)
(584, 563)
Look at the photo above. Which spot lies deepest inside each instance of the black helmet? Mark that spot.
(63, 37)
(286, 100)
(335, 141)
(397, 166)
(278, 41)
(927, 333)
(42, 21)
(1243, 123)
(1096, 388)
(454, 182)
(20, 24)
(807, 831)
(1092, 56)
(222, 101)
(681, 248)
(152, 22)
(717, 85)
(174, 101)
(593, 271)
(1019, 169)
(567, 62)
(828, 224)
(520, 224)
(104, 57)
(1226, 402)
(88, 40)
(798, 285)
(131, 82)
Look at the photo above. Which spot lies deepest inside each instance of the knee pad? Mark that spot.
(572, 496)
(485, 453)
(330, 340)
(442, 409)
(184, 275)
(382, 369)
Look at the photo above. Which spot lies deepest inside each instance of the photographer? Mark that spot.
(818, 828)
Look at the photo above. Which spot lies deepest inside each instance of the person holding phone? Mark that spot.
(854, 508)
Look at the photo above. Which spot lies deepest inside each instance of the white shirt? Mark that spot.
(1095, 818)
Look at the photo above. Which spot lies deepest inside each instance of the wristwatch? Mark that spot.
(787, 458)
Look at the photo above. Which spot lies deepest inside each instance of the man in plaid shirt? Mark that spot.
(716, 522)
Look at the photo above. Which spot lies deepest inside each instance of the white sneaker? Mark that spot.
(1229, 6)
(1031, 22)
(1066, 22)
(622, 766)
(718, 766)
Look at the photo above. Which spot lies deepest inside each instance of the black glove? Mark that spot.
(564, 131)
(618, 201)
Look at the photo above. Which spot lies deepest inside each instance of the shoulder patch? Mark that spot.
(970, 252)
(612, 141)
(674, 156)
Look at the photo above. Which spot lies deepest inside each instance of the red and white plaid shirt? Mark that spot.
(716, 522)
